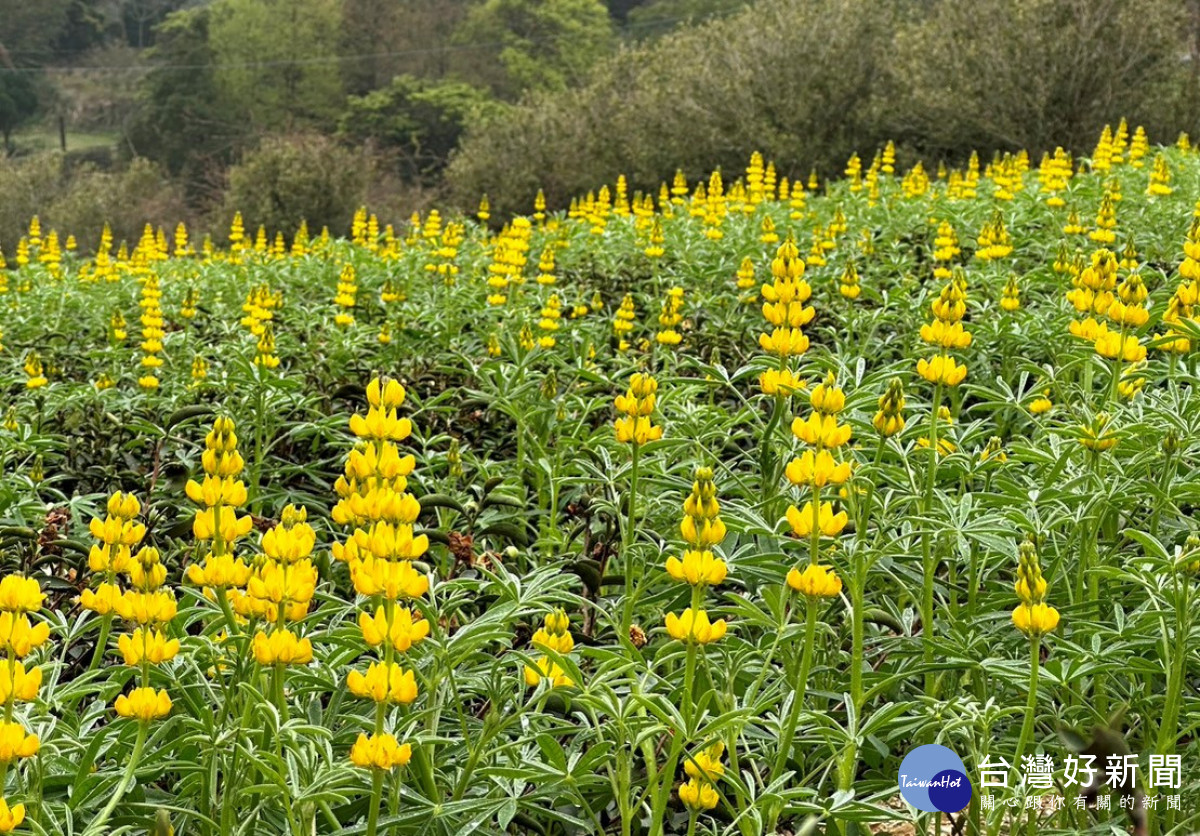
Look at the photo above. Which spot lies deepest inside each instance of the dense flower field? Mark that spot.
(684, 512)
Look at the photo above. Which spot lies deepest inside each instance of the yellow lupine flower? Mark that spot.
(282, 647)
(19, 636)
(379, 751)
(384, 682)
(16, 682)
(393, 579)
(20, 594)
(829, 523)
(407, 628)
(815, 581)
(543, 668)
(231, 528)
(706, 764)
(697, 567)
(149, 645)
(817, 468)
(145, 704)
(10, 817)
(698, 795)
(694, 626)
(16, 743)
(1035, 619)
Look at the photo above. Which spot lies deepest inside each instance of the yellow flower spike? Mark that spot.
(693, 625)
(19, 594)
(819, 430)
(19, 636)
(826, 398)
(143, 607)
(381, 424)
(783, 382)
(16, 743)
(384, 682)
(698, 795)
(231, 527)
(10, 817)
(557, 622)
(815, 581)
(1041, 404)
(543, 668)
(942, 369)
(407, 628)
(279, 585)
(1035, 619)
(889, 420)
(817, 468)
(219, 572)
(385, 395)
(147, 645)
(103, 600)
(16, 682)
(697, 568)
(215, 490)
(706, 765)
(282, 647)
(829, 523)
(124, 506)
(379, 751)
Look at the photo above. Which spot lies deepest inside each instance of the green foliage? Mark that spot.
(296, 178)
(421, 120)
(182, 123)
(543, 44)
(1035, 73)
(276, 60)
(811, 82)
(18, 102)
(83, 199)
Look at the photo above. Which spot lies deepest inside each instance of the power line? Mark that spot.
(332, 59)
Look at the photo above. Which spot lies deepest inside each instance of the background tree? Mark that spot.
(277, 60)
(540, 44)
(182, 121)
(420, 120)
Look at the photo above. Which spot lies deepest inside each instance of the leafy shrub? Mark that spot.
(288, 179)
(809, 83)
(421, 120)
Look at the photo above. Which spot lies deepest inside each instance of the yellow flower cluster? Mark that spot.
(994, 241)
(946, 332)
(816, 467)
(785, 310)
(221, 573)
(635, 426)
(1054, 176)
(704, 769)
(553, 635)
(670, 317)
(1033, 616)
(1182, 305)
(152, 330)
(280, 589)
(381, 551)
(702, 529)
(19, 596)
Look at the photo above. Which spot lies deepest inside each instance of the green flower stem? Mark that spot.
(627, 540)
(101, 642)
(376, 778)
(1168, 731)
(928, 564)
(126, 778)
(1035, 666)
(798, 690)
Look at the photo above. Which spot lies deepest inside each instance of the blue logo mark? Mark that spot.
(933, 779)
